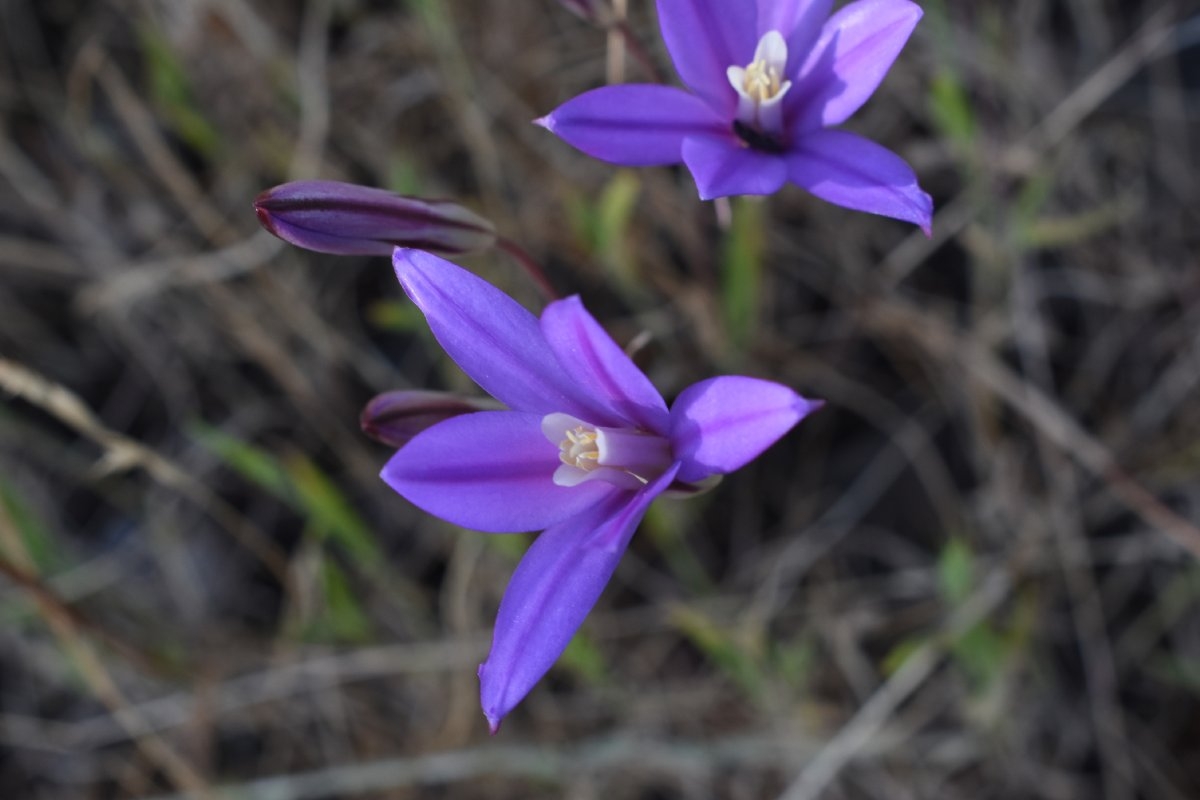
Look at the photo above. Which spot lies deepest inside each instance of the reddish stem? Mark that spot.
(638, 51)
(529, 264)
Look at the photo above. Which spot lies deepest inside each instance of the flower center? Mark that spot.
(625, 457)
(579, 449)
(761, 80)
(761, 88)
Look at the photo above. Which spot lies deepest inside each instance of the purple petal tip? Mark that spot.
(494, 720)
(546, 122)
(264, 217)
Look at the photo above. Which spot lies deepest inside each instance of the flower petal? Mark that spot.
(704, 37)
(487, 333)
(636, 125)
(800, 23)
(848, 170)
(853, 54)
(720, 424)
(594, 361)
(553, 589)
(491, 471)
(722, 166)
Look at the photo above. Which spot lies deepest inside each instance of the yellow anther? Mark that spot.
(579, 449)
(762, 81)
(761, 87)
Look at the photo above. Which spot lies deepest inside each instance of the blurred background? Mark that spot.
(972, 575)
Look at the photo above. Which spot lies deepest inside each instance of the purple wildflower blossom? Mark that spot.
(585, 447)
(768, 81)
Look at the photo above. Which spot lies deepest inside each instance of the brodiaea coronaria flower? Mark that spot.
(769, 81)
(587, 443)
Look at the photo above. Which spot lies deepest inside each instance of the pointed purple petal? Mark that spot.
(553, 589)
(705, 38)
(848, 170)
(720, 424)
(595, 361)
(491, 471)
(852, 56)
(799, 21)
(723, 166)
(487, 333)
(635, 125)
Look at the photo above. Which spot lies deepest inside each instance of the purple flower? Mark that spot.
(351, 220)
(586, 445)
(769, 80)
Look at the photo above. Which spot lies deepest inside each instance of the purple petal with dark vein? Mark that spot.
(491, 471)
(595, 361)
(720, 424)
(798, 21)
(635, 125)
(848, 170)
(347, 219)
(553, 589)
(321, 242)
(705, 38)
(850, 59)
(722, 166)
(497, 343)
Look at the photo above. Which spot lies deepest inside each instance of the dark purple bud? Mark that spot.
(598, 12)
(350, 220)
(396, 417)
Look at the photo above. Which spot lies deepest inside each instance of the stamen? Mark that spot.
(579, 449)
(625, 457)
(761, 88)
(761, 81)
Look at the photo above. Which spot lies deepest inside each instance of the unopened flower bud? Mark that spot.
(396, 417)
(346, 219)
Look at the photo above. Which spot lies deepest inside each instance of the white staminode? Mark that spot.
(624, 457)
(760, 84)
(579, 448)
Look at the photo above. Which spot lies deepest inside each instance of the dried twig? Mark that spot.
(857, 734)
(896, 318)
(65, 627)
(120, 453)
